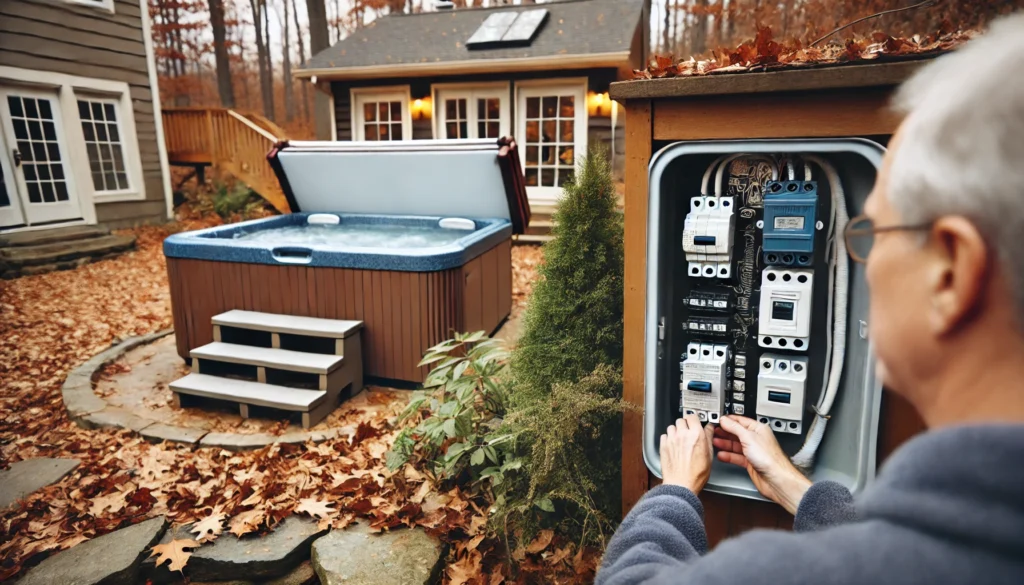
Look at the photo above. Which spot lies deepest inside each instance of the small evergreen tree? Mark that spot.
(574, 319)
(565, 404)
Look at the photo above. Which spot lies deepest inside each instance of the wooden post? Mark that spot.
(638, 155)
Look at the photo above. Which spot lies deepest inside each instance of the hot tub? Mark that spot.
(414, 260)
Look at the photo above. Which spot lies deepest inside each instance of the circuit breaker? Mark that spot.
(744, 304)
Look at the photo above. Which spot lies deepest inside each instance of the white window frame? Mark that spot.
(360, 95)
(471, 92)
(526, 88)
(107, 5)
(112, 195)
(69, 88)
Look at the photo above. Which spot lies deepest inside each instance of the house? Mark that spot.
(81, 140)
(539, 72)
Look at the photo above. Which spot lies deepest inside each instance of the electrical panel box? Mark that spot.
(740, 313)
(790, 218)
(781, 381)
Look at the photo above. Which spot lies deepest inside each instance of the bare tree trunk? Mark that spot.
(258, 10)
(699, 38)
(269, 61)
(302, 60)
(289, 95)
(665, 31)
(318, 41)
(220, 52)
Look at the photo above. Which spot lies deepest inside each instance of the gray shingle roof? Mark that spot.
(573, 27)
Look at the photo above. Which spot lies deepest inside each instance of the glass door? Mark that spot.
(10, 210)
(36, 151)
(552, 123)
(472, 113)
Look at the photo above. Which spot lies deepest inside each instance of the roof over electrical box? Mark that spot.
(573, 34)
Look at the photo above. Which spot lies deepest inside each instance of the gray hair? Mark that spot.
(961, 148)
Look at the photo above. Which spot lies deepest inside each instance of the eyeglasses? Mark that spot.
(860, 235)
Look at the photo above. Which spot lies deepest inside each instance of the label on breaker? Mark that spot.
(707, 301)
(712, 325)
(789, 223)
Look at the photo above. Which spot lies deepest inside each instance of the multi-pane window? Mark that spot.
(35, 133)
(456, 118)
(550, 140)
(488, 112)
(103, 144)
(382, 120)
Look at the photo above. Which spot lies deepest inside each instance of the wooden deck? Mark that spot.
(234, 142)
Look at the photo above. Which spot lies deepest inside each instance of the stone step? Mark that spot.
(18, 257)
(52, 236)
(539, 227)
(251, 393)
(278, 359)
(289, 324)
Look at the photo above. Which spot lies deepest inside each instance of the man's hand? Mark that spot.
(745, 442)
(686, 454)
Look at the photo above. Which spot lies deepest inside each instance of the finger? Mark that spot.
(692, 421)
(721, 433)
(681, 424)
(671, 432)
(709, 431)
(732, 458)
(727, 445)
(737, 425)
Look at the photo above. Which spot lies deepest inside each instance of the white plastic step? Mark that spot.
(291, 324)
(279, 359)
(246, 392)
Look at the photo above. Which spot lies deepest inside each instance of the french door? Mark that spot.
(37, 187)
(473, 113)
(552, 125)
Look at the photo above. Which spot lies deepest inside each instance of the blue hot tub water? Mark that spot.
(376, 242)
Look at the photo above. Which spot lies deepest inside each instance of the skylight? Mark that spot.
(508, 29)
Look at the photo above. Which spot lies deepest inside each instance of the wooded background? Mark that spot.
(241, 53)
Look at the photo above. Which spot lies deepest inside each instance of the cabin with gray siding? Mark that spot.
(538, 72)
(79, 116)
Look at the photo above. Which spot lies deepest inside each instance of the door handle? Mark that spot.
(17, 157)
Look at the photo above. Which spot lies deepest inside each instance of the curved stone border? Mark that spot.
(92, 412)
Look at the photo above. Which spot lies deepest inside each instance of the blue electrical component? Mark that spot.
(699, 386)
(790, 212)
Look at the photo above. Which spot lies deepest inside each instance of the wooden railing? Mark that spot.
(227, 139)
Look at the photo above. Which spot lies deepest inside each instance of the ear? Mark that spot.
(962, 264)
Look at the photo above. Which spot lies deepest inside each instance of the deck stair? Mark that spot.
(281, 362)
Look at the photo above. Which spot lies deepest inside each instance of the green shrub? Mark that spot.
(460, 405)
(239, 199)
(567, 370)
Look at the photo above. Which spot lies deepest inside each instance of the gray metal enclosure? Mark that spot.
(847, 454)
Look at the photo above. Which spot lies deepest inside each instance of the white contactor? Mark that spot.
(708, 235)
(781, 381)
(703, 382)
(784, 321)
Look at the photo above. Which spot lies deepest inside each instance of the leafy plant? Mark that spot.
(460, 408)
(238, 199)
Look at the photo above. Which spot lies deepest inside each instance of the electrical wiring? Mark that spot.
(719, 175)
(709, 172)
(839, 278)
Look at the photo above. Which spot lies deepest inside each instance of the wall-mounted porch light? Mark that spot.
(422, 108)
(599, 104)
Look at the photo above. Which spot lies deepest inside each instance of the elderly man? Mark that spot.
(946, 274)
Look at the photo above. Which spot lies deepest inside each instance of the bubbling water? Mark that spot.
(355, 236)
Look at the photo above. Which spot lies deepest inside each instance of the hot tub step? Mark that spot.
(313, 404)
(280, 359)
(290, 324)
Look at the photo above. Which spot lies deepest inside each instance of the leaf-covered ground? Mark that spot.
(51, 323)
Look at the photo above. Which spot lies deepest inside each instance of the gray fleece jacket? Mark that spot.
(947, 507)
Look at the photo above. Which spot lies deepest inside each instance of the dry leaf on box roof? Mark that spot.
(173, 553)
